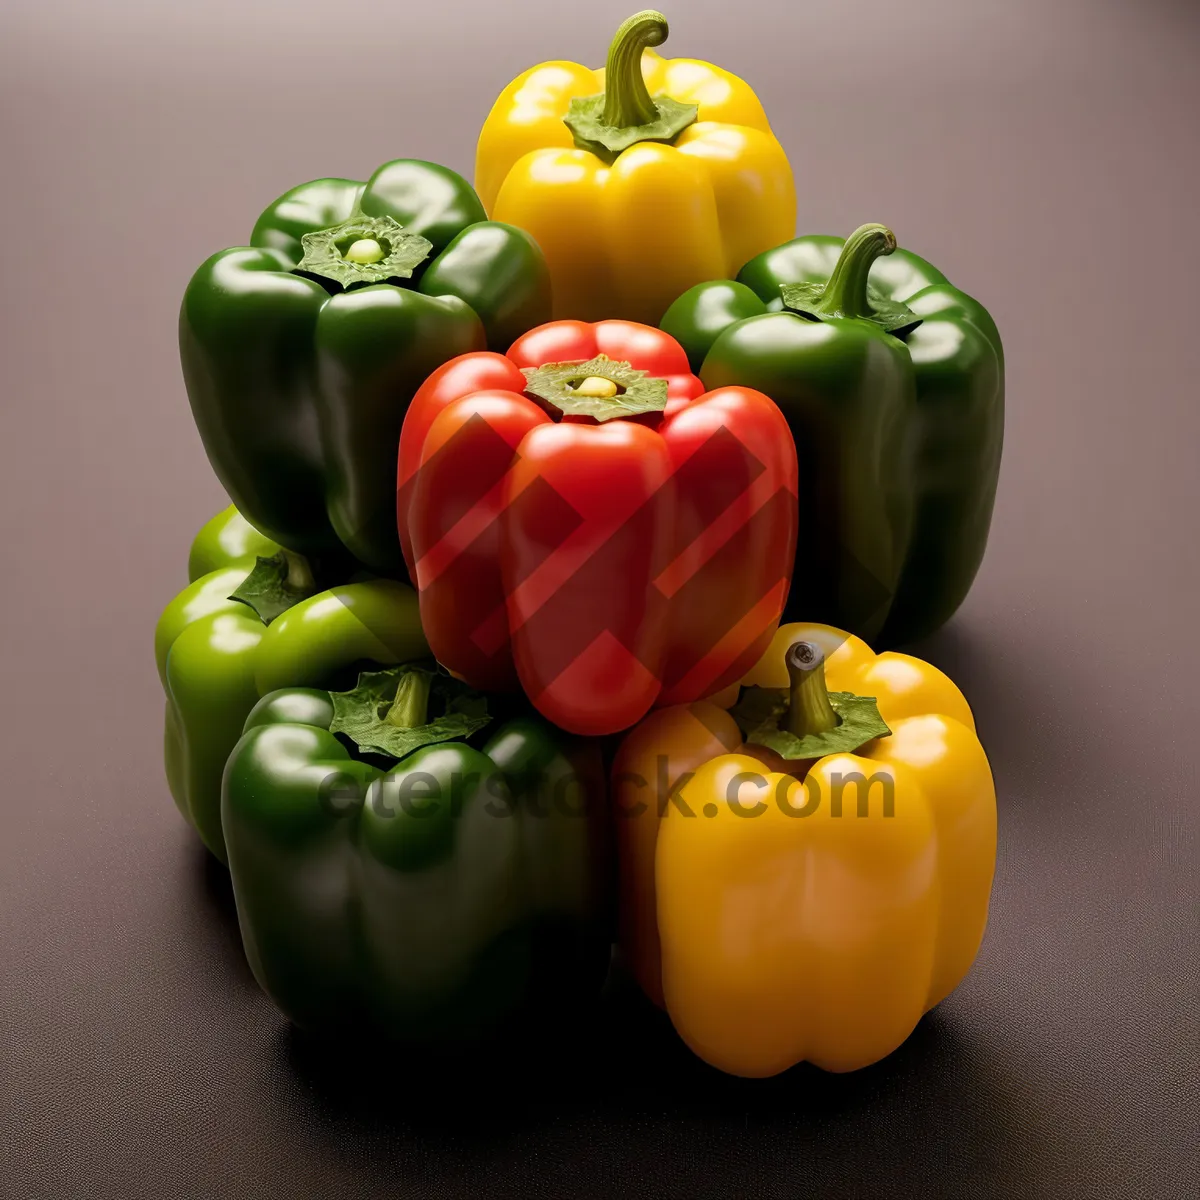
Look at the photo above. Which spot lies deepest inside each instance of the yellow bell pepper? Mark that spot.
(784, 909)
(635, 199)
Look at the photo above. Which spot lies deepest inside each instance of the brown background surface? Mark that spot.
(1044, 155)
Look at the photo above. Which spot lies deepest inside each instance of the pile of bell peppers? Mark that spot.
(561, 508)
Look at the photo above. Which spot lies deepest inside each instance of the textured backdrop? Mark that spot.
(1044, 156)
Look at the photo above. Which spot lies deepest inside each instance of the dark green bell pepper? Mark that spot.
(302, 350)
(434, 895)
(216, 657)
(892, 382)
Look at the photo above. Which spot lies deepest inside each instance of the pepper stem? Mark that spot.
(809, 710)
(410, 709)
(299, 572)
(627, 101)
(845, 294)
(364, 252)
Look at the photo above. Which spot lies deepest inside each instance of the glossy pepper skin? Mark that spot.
(603, 565)
(444, 900)
(899, 437)
(626, 231)
(216, 658)
(836, 930)
(227, 540)
(299, 381)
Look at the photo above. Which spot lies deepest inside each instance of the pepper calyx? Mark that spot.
(804, 720)
(396, 711)
(343, 255)
(761, 714)
(559, 384)
(275, 584)
(892, 316)
(847, 293)
(585, 120)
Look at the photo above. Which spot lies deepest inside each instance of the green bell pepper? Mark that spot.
(892, 382)
(301, 351)
(216, 657)
(436, 895)
(227, 540)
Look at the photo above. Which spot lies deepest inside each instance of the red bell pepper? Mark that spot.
(582, 520)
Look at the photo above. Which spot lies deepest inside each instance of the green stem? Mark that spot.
(626, 100)
(845, 294)
(809, 710)
(364, 252)
(299, 573)
(410, 709)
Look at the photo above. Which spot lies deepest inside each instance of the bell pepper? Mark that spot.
(892, 382)
(227, 540)
(302, 350)
(216, 657)
(804, 877)
(637, 181)
(631, 553)
(459, 889)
